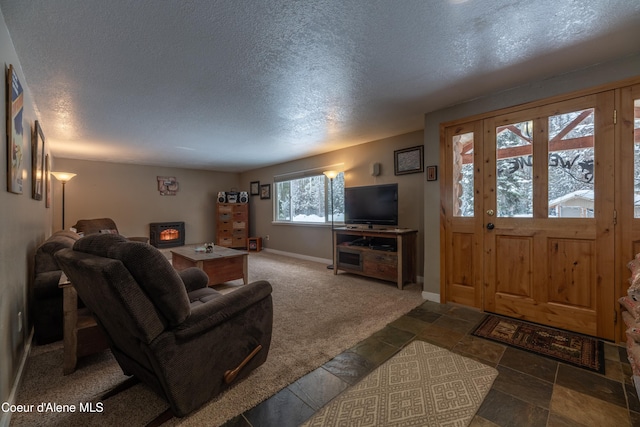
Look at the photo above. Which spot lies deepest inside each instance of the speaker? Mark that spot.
(244, 197)
(222, 197)
(375, 169)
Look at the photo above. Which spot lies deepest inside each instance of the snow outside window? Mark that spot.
(308, 199)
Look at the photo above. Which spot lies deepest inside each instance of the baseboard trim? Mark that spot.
(295, 255)
(430, 296)
(5, 419)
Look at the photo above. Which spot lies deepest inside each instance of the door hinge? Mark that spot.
(615, 217)
(615, 317)
(615, 117)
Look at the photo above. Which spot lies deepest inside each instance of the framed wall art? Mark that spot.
(409, 160)
(265, 191)
(254, 189)
(37, 162)
(167, 185)
(47, 181)
(15, 133)
(432, 173)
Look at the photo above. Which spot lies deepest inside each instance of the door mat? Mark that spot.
(568, 347)
(423, 385)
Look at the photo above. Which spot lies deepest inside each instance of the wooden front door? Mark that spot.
(629, 194)
(536, 225)
(463, 232)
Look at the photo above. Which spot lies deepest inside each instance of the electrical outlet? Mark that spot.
(266, 237)
(19, 321)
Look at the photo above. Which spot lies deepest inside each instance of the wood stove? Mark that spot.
(166, 234)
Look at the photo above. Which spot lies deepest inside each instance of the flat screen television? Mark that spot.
(371, 205)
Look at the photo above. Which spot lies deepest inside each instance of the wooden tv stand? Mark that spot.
(386, 254)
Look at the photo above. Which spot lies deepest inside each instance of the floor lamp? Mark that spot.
(63, 177)
(331, 175)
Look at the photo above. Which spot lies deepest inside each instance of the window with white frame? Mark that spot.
(305, 197)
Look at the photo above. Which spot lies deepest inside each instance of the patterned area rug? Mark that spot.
(423, 385)
(568, 347)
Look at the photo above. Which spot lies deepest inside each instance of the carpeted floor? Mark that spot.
(423, 385)
(564, 346)
(317, 315)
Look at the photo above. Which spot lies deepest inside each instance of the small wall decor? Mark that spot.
(47, 181)
(432, 173)
(167, 185)
(409, 160)
(37, 162)
(15, 133)
(254, 190)
(265, 191)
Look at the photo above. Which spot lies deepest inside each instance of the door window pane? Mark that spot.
(463, 174)
(514, 155)
(636, 153)
(571, 160)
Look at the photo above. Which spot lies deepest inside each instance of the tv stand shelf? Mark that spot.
(386, 254)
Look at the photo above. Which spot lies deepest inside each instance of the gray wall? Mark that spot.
(24, 224)
(581, 79)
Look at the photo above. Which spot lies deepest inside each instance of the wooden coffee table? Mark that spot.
(221, 265)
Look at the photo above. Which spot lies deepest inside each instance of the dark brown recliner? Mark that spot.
(183, 339)
(86, 227)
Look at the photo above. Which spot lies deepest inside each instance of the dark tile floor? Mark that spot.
(530, 390)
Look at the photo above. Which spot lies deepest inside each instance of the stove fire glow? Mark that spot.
(166, 234)
(169, 234)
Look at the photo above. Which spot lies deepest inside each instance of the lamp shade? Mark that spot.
(330, 174)
(63, 176)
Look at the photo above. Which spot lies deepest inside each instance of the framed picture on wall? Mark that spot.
(37, 162)
(254, 189)
(265, 191)
(47, 181)
(15, 133)
(432, 173)
(167, 185)
(408, 160)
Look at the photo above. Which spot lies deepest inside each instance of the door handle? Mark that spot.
(490, 226)
(490, 212)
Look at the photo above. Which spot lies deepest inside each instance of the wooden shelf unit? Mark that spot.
(254, 244)
(232, 225)
(386, 254)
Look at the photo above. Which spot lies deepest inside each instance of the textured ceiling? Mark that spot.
(240, 84)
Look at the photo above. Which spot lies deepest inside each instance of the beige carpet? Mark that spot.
(423, 385)
(317, 315)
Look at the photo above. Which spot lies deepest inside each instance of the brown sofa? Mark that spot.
(46, 296)
(183, 339)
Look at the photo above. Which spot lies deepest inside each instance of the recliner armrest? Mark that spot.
(206, 316)
(193, 278)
